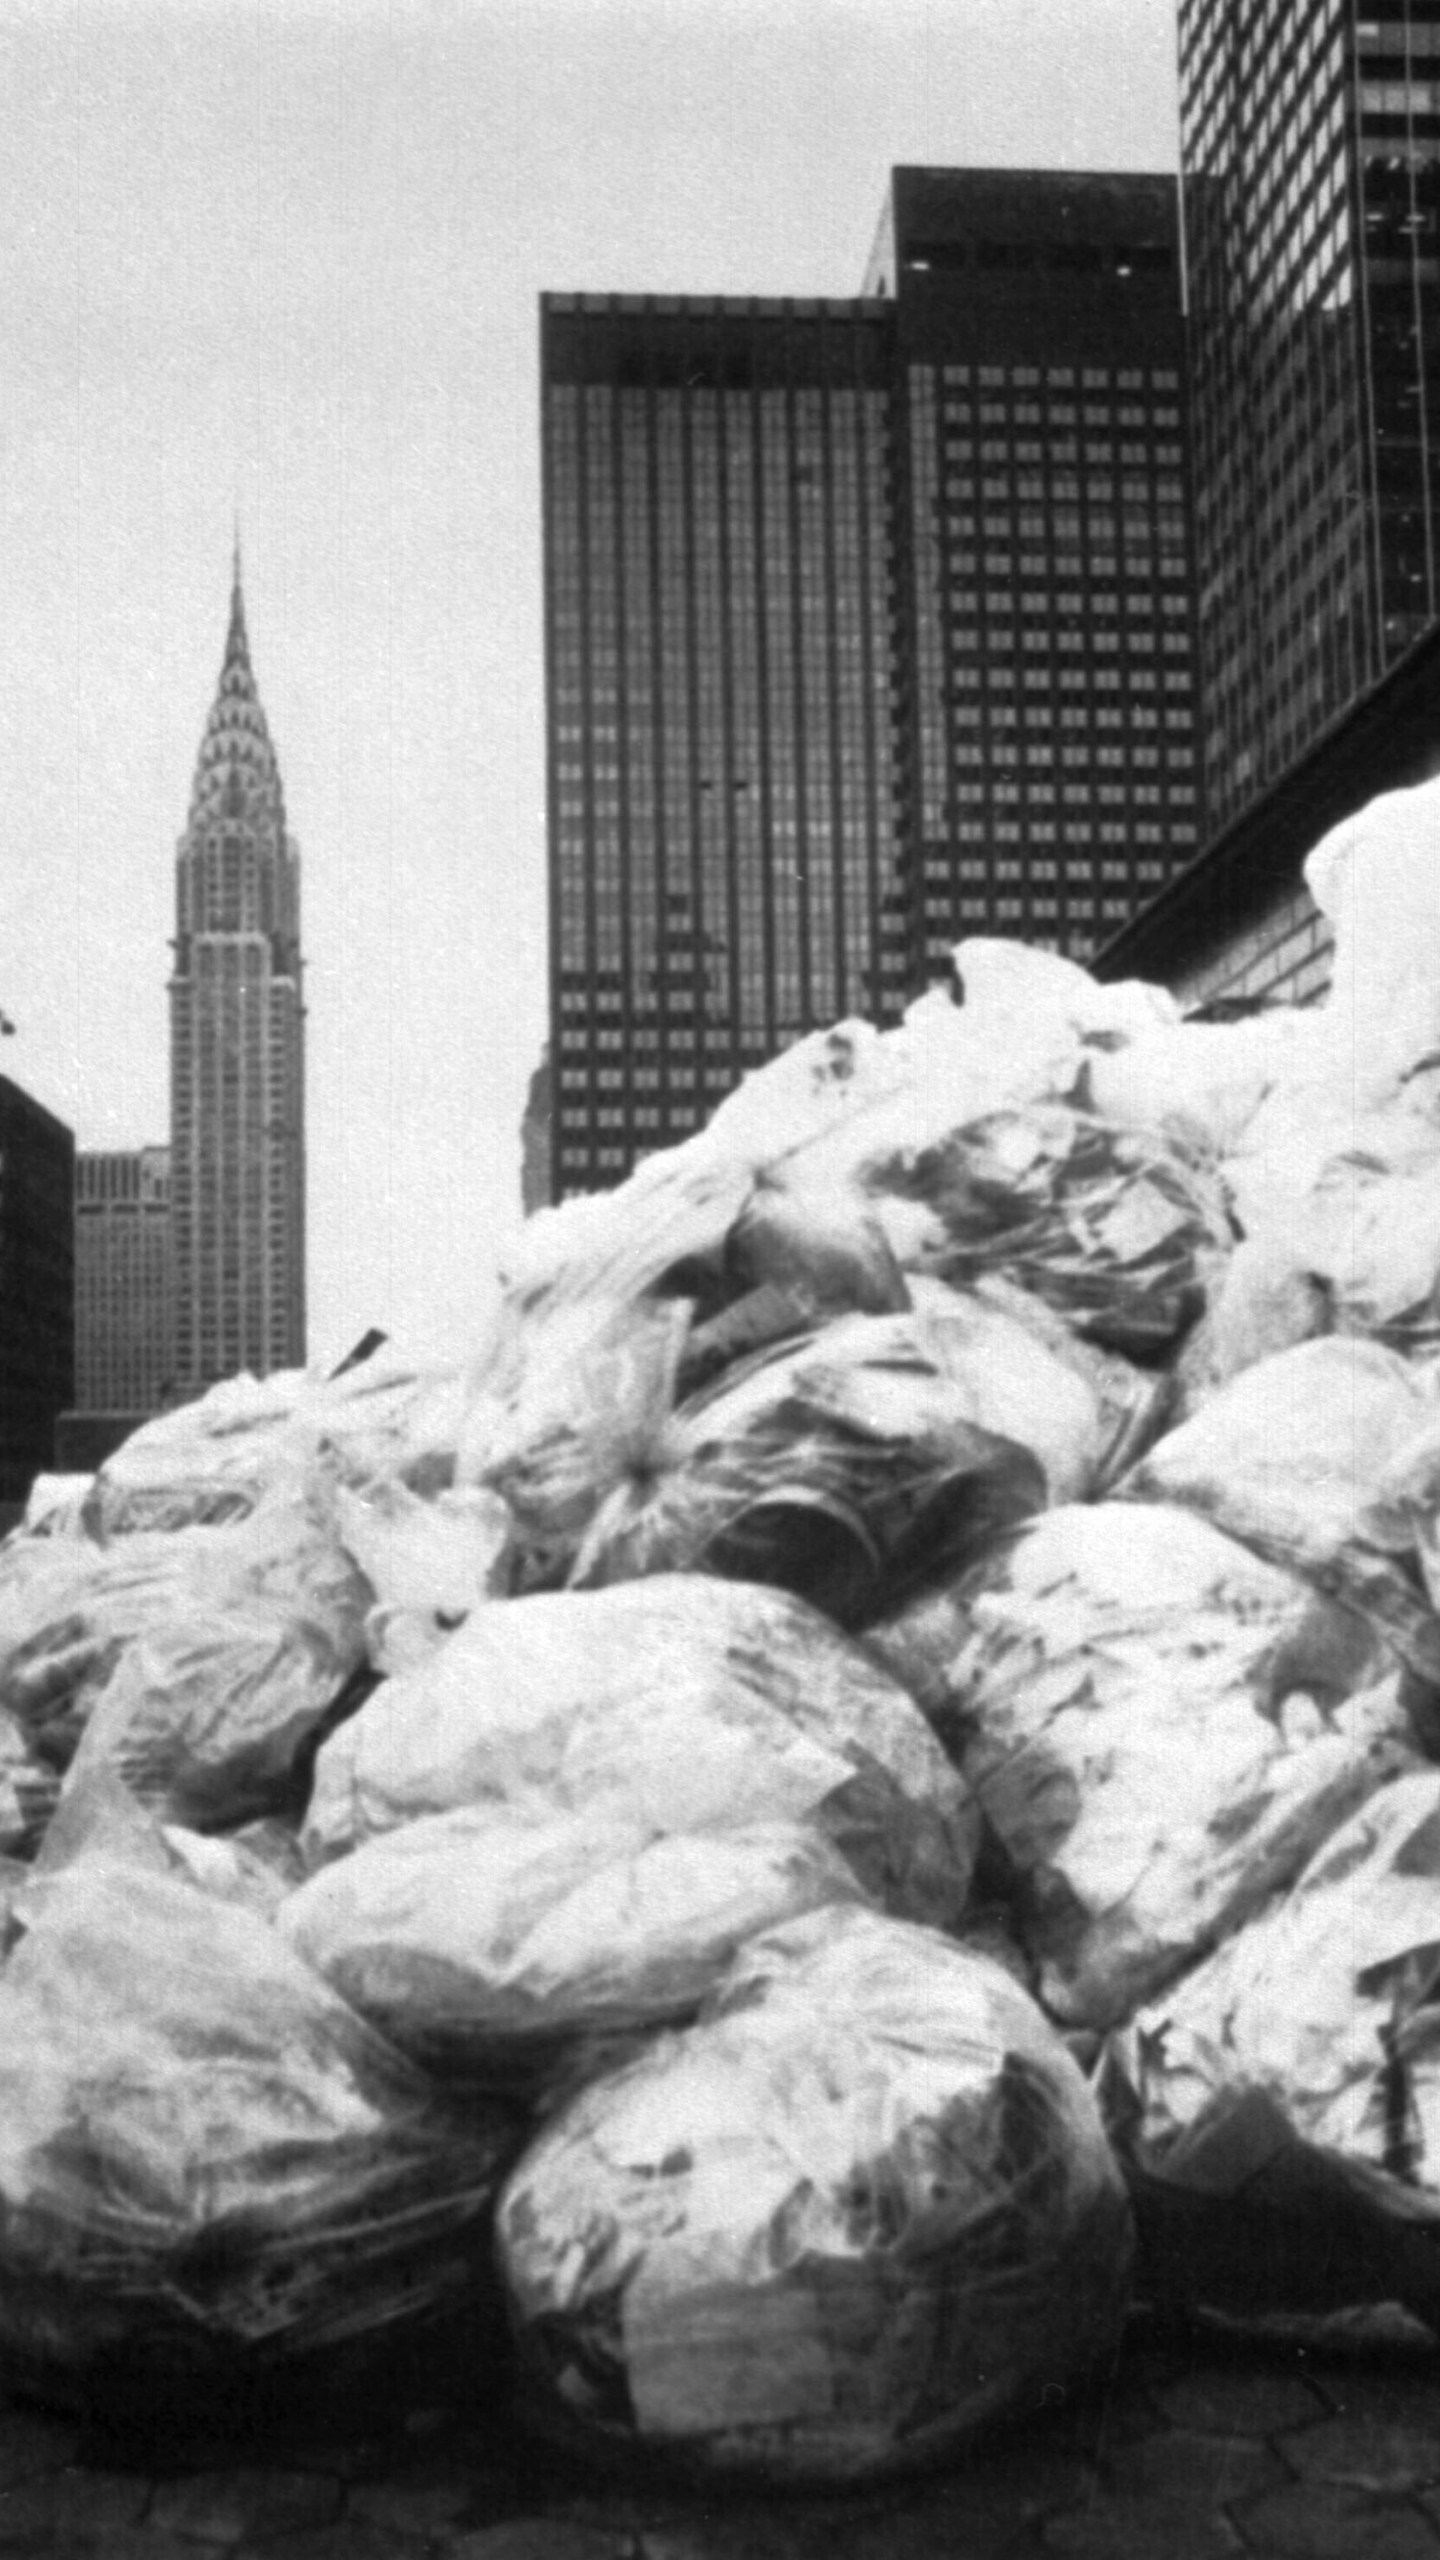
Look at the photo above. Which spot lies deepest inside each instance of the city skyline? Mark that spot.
(294, 260)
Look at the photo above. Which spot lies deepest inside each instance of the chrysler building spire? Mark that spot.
(237, 1111)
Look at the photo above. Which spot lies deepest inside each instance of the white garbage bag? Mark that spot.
(1158, 1727)
(859, 2210)
(680, 1702)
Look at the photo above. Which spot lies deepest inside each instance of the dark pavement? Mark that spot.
(1194, 2445)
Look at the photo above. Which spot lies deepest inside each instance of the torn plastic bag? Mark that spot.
(1159, 1728)
(1293, 1457)
(493, 1941)
(209, 2167)
(678, 1702)
(1120, 1231)
(839, 1468)
(860, 2210)
(1302, 2060)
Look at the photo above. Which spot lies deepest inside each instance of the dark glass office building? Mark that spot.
(1043, 549)
(722, 814)
(869, 626)
(1310, 145)
(37, 1286)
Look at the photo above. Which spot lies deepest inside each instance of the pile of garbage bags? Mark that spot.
(856, 1791)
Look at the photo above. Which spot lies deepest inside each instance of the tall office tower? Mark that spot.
(722, 810)
(37, 1286)
(1043, 550)
(124, 1335)
(237, 1153)
(1310, 150)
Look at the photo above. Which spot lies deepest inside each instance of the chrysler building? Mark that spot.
(237, 1121)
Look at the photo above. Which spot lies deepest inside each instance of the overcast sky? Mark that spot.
(285, 257)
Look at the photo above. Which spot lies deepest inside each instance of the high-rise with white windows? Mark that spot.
(237, 1129)
(1310, 153)
(869, 625)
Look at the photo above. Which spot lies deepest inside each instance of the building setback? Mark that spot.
(1043, 568)
(722, 818)
(124, 1330)
(237, 1153)
(37, 1285)
(1310, 150)
(869, 625)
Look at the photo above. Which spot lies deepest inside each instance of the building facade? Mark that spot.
(1043, 560)
(237, 1151)
(124, 1282)
(869, 625)
(1310, 148)
(722, 792)
(37, 1285)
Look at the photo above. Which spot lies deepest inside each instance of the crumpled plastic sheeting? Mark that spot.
(678, 1702)
(831, 1467)
(1295, 1457)
(1158, 1726)
(824, 2235)
(491, 1941)
(207, 2161)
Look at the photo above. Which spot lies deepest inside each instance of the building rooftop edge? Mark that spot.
(1265, 846)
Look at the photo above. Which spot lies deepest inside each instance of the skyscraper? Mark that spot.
(124, 1293)
(722, 813)
(37, 1286)
(869, 624)
(1043, 568)
(237, 1155)
(1310, 149)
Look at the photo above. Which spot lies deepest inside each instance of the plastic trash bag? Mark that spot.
(835, 1467)
(1084, 1414)
(1120, 1231)
(259, 1865)
(492, 1941)
(1373, 876)
(67, 1606)
(1201, 1082)
(55, 1506)
(29, 1792)
(678, 1703)
(208, 2165)
(1305, 2052)
(1159, 1728)
(1294, 1457)
(862, 2208)
(246, 1439)
(197, 1664)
